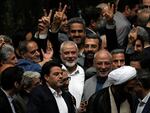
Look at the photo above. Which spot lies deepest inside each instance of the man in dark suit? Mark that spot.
(115, 97)
(10, 83)
(142, 90)
(48, 97)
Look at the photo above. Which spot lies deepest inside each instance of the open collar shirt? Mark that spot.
(62, 106)
(76, 84)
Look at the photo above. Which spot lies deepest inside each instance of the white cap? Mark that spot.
(120, 75)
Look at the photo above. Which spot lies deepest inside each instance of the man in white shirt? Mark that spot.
(69, 56)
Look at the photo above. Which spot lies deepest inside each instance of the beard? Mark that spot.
(101, 23)
(89, 55)
(69, 64)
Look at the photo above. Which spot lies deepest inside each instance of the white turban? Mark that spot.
(120, 75)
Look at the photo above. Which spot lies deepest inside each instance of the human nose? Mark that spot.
(37, 53)
(76, 33)
(89, 48)
(135, 48)
(16, 60)
(60, 75)
(66, 21)
(119, 64)
(103, 65)
(70, 55)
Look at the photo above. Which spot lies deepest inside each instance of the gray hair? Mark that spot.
(28, 78)
(67, 43)
(5, 52)
(143, 34)
(143, 17)
(7, 39)
(31, 74)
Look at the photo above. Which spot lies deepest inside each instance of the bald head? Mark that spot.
(102, 53)
(103, 62)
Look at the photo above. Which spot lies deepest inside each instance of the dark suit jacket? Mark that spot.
(43, 101)
(100, 102)
(5, 105)
(147, 107)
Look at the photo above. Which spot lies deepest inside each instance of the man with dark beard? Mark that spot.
(91, 46)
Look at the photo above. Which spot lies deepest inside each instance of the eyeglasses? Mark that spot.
(34, 51)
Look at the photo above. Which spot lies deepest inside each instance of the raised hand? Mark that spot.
(58, 17)
(49, 52)
(60, 13)
(44, 22)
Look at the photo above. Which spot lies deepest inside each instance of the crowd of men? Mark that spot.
(98, 62)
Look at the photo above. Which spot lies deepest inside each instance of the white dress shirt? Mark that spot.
(76, 84)
(62, 106)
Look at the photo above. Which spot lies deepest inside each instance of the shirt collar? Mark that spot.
(54, 92)
(10, 98)
(145, 99)
(74, 72)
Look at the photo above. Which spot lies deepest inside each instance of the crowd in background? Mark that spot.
(95, 61)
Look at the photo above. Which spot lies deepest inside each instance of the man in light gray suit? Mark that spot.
(103, 65)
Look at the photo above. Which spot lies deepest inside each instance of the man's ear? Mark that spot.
(25, 55)
(46, 77)
(16, 84)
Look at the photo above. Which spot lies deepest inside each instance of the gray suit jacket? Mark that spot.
(89, 87)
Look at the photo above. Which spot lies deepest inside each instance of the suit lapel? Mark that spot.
(5, 103)
(50, 98)
(69, 102)
(147, 107)
(92, 87)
